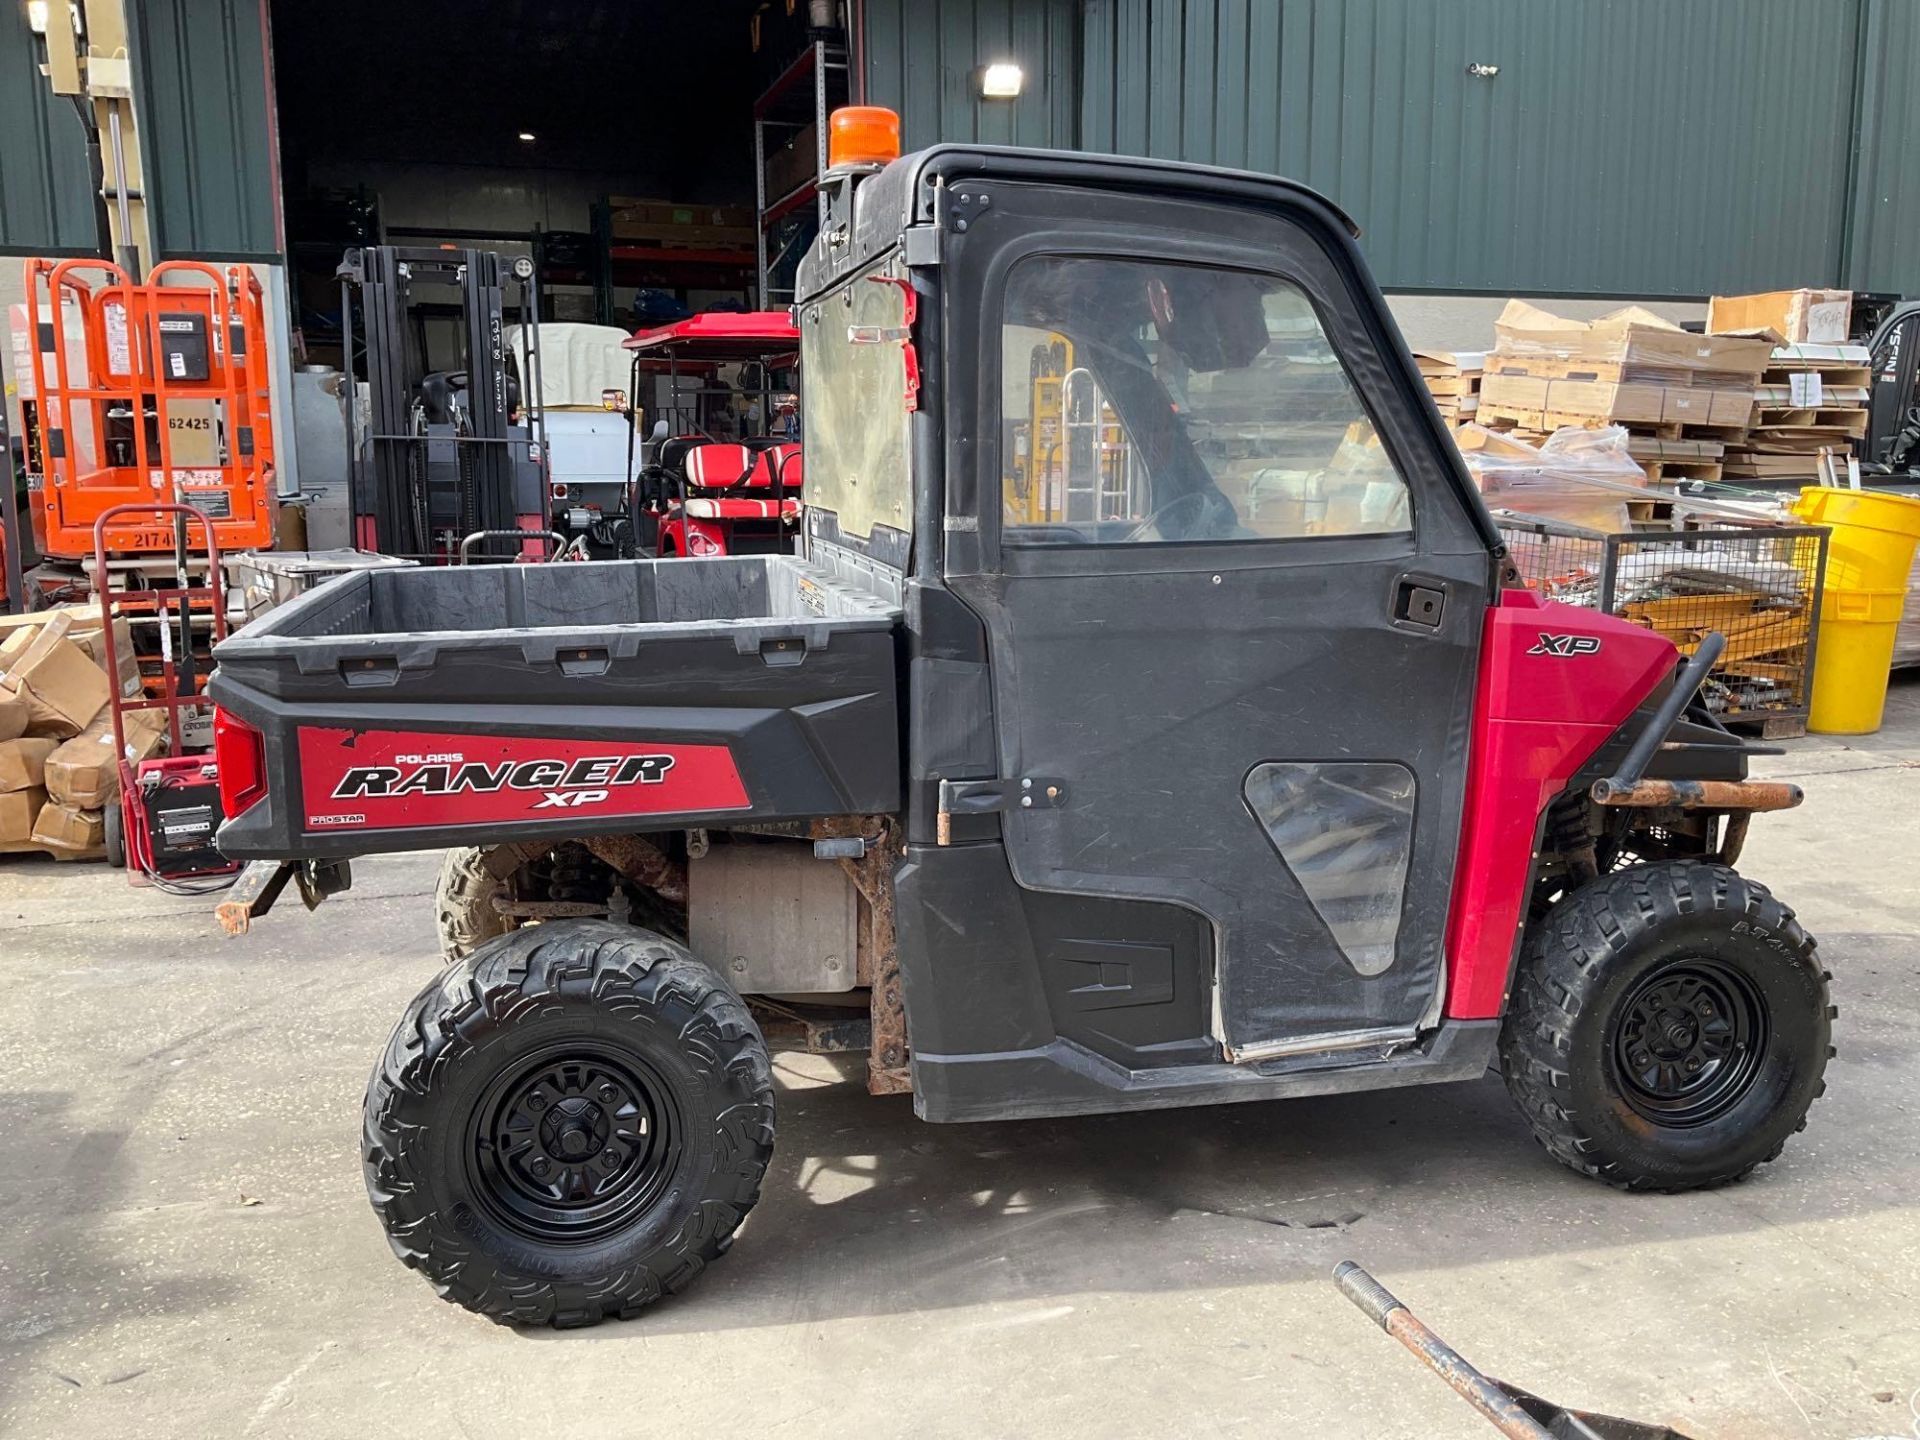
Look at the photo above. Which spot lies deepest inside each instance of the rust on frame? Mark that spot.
(877, 964)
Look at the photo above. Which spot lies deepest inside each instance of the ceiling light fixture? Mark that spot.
(37, 16)
(526, 137)
(1002, 80)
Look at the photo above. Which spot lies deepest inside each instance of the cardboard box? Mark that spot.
(670, 223)
(23, 763)
(639, 210)
(18, 811)
(93, 641)
(82, 771)
(13, 716)
(1633, 401)
(792, 164)
(62, 827)
(83, 618)
(63, 689)
(1630, 336)
(1798, 317)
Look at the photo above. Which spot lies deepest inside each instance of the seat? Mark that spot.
(720, 467)
(724, 471)
(782, 464)
(733, 507)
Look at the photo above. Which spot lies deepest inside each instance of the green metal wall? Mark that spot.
(922, 58)
(1636, 147)
(202, 92)
(46, 194)
(1625, 146)
(1883, 237)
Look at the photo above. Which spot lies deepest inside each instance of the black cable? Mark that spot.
(187, 890)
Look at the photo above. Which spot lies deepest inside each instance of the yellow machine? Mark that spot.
(1072, 460)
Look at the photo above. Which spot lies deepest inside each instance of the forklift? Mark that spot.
(1892, 446)
(1188, 797)
(445, 458)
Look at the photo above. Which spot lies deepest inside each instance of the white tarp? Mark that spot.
(577, 363)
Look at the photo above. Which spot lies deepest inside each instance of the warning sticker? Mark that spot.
(214, 504)
(119, 352)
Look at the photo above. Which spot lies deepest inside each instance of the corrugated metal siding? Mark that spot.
(46, 195)
(201, 92)
(922, 58)
(1884, 239)
(1625, 146)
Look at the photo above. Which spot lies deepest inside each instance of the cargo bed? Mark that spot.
(418, 708)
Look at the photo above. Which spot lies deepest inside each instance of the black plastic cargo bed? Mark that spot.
(416, 708)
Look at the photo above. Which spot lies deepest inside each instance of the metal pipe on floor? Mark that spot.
(1379, 1305)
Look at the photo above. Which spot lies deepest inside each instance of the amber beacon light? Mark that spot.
(862, 135)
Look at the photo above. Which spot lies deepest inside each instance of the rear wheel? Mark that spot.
(1669, 1027)
(568, 1124)
(463, 901)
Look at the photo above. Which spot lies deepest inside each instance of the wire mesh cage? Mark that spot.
(1756, 583)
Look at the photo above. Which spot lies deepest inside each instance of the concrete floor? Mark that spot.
(186, 1250)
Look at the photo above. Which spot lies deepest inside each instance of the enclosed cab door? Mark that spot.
(1233, 591)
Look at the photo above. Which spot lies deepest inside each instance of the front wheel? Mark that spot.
(1669, 1027)
(568, 1124)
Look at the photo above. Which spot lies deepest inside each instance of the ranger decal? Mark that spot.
(392, 779)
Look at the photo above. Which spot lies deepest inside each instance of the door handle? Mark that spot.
(1419, 602)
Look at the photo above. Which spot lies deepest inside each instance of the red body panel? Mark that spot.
(391, 779)
(682, 535)
(1540, 712)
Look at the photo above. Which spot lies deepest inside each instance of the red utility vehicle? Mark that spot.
(722, 471)
(1237, 767)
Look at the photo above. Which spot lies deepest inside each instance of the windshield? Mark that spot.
(1144, 401)
(852, 351)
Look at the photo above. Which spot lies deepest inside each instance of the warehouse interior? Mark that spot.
(611, 143)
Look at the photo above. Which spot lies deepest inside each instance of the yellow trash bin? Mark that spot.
(1869, 553)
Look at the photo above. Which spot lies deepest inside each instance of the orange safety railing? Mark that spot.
(151, 371)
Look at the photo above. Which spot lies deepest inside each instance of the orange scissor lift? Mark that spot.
(153, 393)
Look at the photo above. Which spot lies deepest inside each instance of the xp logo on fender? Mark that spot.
(1566, 645)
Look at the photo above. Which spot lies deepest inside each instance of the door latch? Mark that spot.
(987, 797)
(1418, 605)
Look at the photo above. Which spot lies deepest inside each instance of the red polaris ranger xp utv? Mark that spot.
(1229, 765)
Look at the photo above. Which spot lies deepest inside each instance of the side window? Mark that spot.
(1345, 830)
(1147, 402)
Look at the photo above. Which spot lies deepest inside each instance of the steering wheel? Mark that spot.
(1197, 515)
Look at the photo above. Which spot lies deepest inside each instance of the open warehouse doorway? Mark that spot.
(634, 161)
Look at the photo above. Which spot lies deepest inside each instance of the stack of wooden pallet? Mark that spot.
(1453, 379)
(1810, 398)
(1682, 397)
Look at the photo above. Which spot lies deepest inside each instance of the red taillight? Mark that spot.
(241, 753)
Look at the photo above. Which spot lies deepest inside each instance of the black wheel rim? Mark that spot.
(1689, 1042)
(574, 1143)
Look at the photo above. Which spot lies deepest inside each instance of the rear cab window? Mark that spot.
(852, 351)
(1148, 402)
